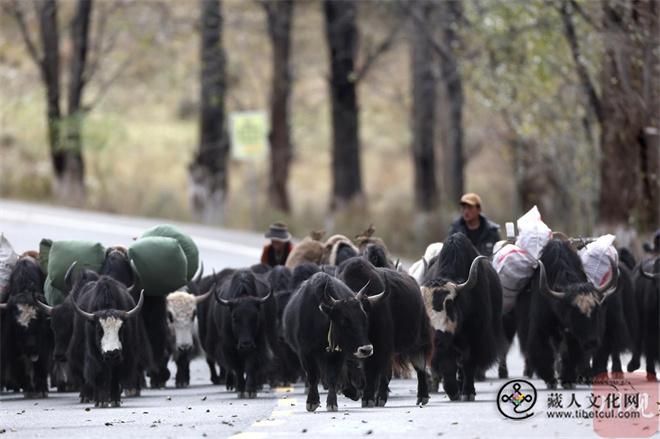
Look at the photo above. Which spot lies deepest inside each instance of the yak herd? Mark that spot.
(350, 319)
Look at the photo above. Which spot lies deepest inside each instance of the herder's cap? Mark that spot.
(471, 199)
(278, 232)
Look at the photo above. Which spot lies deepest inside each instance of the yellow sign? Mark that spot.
(249, 135)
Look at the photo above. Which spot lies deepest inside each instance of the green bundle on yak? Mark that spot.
(55, 258)
(165, 259)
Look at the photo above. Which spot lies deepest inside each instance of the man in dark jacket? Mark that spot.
(280, 245)
(482, 232)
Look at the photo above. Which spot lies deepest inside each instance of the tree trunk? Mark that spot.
(70, 182)
(208, 172)
(453, 87)
(49, 65)
(424, 84)
(342, 38)
(280, 15)
(629, 138)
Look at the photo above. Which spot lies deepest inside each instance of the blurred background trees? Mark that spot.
(394, 107)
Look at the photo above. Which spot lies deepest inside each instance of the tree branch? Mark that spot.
(383, 47)
(583, 74)
(14, 10)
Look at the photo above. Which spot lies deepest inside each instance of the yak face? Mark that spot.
(181, 311)
(579, 307)
(30, 327)
(439, 301)
(107, 326)
(246, 322)
(109, 331)
(440, 297)
(349, 326)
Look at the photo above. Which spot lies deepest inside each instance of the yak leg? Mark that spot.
(542, 358)
(651, 353)
(182, 370)
(312, 370)
(371, 383)
(334, 362)
(419, 363)
(449, 369)
(571, 357)
(469, 370)
(383, 388)
(599, 364)
(251, 372)
(40, 369)
(215, 378)
(115, 389)
(239, 376)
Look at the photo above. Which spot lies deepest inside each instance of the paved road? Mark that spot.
(204, 410)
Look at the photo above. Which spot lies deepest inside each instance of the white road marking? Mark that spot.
(23, 216)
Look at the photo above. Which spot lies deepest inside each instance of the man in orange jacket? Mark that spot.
(280, 245)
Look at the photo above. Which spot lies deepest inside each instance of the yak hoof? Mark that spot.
(312, 406)
(216, 380)
(331, 408)
(422, 400)
(651, 377)
(252, 395)
(568, 386)
(131, 392)
(551, 385)
(453, 396)
(633, 364)
(503, 374)
(368, 403)
(467, 397)
(381, 402)
(115, 404)
(241, 395)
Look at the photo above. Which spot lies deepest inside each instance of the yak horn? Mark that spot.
(134, 312)
(46, 308)
(203, 297)
(543, 284)
(647, 274)
(611, 286)
(327, 298)
(265, 298)
(473, 275)
(360, 294)
(200, 273)
(377, 298)
(84, 314)
(133, 288)
(68, 275)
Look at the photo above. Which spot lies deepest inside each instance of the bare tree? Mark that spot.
(423, 120)
(64, 129)
(627, 108)
(280, 18)
(208, 172)
(452, 99)
(342, 38)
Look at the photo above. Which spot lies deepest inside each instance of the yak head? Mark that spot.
(246, 319)
(108, 328)
(181, 311)
(578, 306)
(29, 322)
(440, 296)
(349, 321)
